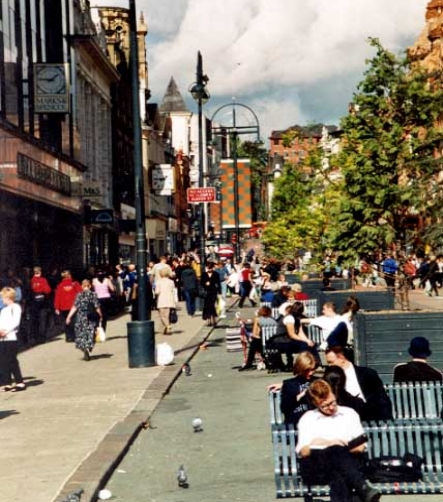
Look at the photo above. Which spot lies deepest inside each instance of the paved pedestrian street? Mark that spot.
(231, 459)
(80, 424)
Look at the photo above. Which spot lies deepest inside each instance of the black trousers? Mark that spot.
(255, 346)
(40, 318)
(336, 467)
(67, 328)
(9, 363)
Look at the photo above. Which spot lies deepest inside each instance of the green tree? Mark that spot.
(389, 160)
(300, 217)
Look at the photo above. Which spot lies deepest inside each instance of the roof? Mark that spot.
(173, 100)
(309, 131)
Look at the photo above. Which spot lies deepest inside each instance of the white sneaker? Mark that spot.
(261, 366)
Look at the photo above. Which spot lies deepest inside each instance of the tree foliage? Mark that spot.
(299, 215)
(389, 159)
(390, 170)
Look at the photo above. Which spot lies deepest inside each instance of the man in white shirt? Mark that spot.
(323, 437)
(329, 320)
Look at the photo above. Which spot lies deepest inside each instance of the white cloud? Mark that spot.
(274, 54)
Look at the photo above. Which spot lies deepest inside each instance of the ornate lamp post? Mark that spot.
(201, 95)
(234, 130)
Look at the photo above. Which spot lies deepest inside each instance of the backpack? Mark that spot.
(389, 469)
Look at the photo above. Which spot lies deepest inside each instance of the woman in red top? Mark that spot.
(40, 291)
(65, 295)
(245, 275)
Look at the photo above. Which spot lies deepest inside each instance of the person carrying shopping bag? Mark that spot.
(165, 293)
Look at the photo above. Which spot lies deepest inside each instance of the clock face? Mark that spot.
(51, 79)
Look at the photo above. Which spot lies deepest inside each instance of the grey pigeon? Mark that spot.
(74, 496)
(182, 477)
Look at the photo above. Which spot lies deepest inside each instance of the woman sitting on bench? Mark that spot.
(290, 339)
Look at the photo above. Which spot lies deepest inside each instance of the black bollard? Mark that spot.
(141, 344)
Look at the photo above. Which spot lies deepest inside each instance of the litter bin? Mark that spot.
(141, 344)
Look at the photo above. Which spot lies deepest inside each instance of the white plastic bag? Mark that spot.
(253, 295)
(164, 353)
(100, 335)
(220, 306)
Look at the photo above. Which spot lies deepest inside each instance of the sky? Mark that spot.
(290, 61)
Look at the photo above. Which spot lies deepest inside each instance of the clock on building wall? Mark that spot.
(51, 89)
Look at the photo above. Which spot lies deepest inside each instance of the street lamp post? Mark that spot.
(235, 130)
(201, 95)
(141, 340)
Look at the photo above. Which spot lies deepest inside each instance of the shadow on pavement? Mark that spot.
(101, 356)
(8, 413)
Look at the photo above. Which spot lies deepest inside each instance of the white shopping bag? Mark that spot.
(164, 353)
(253, 295)
(100, 335)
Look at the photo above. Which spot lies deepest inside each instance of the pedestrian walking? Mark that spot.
(104, 289)
(40, 306)
(65, 294)
(245, 284)
(210, 281)
(189, 284)
(165, 293)
(87, 316)
(432, 276)
(10, 316)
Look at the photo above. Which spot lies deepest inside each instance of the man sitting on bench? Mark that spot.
(361, 382)
(417, 370)
(326, 458)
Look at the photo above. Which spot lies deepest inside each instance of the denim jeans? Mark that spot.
(190, 301)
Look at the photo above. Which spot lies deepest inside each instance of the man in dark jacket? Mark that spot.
(189, 284)
(418, 370)
(364, 383)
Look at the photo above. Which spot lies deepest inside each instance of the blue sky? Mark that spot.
(291, 61)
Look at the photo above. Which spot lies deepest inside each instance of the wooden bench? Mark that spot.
(410, 401)
(385, 438)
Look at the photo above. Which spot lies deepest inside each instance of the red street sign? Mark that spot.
(196, 195)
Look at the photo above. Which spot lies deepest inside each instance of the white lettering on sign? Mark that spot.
(197, 195)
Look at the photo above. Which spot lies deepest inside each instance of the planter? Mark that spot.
(382, 338)
(369, 300)
(312, 286)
